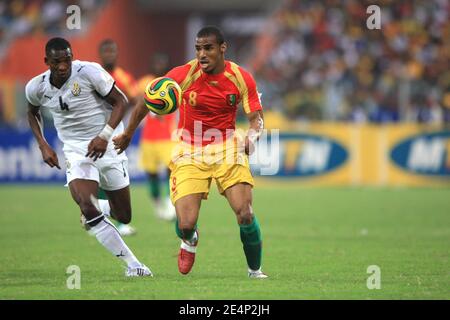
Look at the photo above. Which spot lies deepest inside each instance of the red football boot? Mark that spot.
(186, 256)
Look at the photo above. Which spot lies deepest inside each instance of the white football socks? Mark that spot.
(191, 245)
(109, 237)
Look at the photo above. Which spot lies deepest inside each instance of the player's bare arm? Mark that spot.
(122, 141)
(256, 120)
(97, 147)
(35, 120)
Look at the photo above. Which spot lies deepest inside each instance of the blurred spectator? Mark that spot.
(21, 17)
(316, 59)
(320, 56)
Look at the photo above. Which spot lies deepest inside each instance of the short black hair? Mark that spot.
(211, 31)
(56, 44)
(106, 42)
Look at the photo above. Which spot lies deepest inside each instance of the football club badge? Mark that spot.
(76, 89)
(231, 100)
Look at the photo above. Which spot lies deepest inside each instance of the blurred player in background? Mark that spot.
(156, 145)
(87, 109)
(108, 52)
(212, 89)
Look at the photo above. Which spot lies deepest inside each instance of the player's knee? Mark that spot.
(246, 219)
(187, 217)
(89, 211)
(186, 225)
(245, 215)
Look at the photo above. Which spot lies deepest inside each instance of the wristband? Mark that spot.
(253, 135)
(106, 133)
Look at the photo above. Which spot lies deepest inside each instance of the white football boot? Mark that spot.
(126, 230)
(257, 274)
(169, 211)
(165, 210)
(140, 271)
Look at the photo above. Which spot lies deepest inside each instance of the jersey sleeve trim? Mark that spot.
(235, 81)
(243, 88)
(109, 92)
(190, 77)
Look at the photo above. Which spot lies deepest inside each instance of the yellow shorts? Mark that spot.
(193, 172)
(153, 155)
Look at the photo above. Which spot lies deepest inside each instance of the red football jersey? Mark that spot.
(158, 128)
(213, 99)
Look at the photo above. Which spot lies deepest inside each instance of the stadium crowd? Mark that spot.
(318, 60)
(22, 17)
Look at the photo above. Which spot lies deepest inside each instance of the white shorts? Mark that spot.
(111, 171)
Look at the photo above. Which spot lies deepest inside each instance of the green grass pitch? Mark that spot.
(318, 244)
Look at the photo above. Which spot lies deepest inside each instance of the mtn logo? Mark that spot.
(425, 154)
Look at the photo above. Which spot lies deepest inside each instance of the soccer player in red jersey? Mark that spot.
(212, 90)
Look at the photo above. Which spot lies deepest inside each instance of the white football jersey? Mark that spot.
(79, 109)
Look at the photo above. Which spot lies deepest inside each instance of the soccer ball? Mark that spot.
(162, 95)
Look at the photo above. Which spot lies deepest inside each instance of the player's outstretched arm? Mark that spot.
(122, 141)
(35, 120)
(256, 120)
(97, 147)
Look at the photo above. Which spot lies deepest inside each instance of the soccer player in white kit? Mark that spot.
(87, 109)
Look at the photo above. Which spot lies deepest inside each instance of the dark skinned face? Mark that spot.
(60, 64)
(210, 54)
(108, 56)
(159, 66)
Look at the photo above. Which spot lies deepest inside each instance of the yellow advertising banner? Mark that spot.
(354, 154)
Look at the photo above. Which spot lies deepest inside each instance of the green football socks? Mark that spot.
(252, 243)
(184, 234)
(153, 186)
(102, 194)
